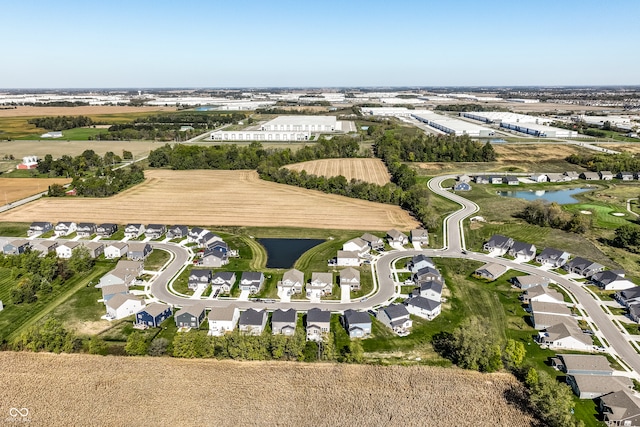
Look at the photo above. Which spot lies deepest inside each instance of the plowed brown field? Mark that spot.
(12, 189)
(369, 170)
(74, 390)
(206, 197)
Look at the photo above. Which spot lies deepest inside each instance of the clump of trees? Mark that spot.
(552, 400)
(57, 123)
(623, 162)
(50, 336)
(552, 215)
(627, 237)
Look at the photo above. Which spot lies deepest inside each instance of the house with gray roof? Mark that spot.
(65, 250)
(430, 289)
(351, 277)
(609, 280)
(557, 177)
(554, 258)
(542, 321)
(252, 322)
(529, 281)
(490, 271)
(44, 246)
(110, 291)
(625, 176)
(292, 282)
(321, 284)
(318, 324)
(563, 334)
(153, 314)
(376, 243)
(418, 262)
(496, 179)
(420, 235)
(283, 322)
(215, 257)
(425, 308)
(357, 245)
(224, 280)
(590, 176)
(115, 250)
(498, 244)
(542, 294)
(223, 320)
(481, 179)
(510, 180)
(357, 323)
(190, 316)
(395, 317)
(16, 247)
(251, 281)
(199, 278)
(37, 228)
(123, 305)
(585, 364)
(65, 228)
(347, 258)
(620, 409)
(155, 231)
(85, 229)
(522, 251)
(628, 296)
(572, 175)
(396, 237)
(427, 274)
(593, 386)
(583, 267)
(177, 232)
(138, 251)
(606, 175)
(95, 248)
(133, 231)
(107, 229)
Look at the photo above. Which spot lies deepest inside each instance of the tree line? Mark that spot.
(552, 215)
(57, 123)
(623, 162)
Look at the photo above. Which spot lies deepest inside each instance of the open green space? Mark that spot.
(156, 259)
(76, 134)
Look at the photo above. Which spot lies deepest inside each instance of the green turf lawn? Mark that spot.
(76, 134)
(156, 259)
(14, 229)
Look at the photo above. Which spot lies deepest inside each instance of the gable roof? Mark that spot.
(550, 308)
(585, 362)
(583, 263)
(543, 290)
(139, 246)
(286, 316)
(370, 238)
(499, 241)
(353, 317)
(114, 289)
(395, 234)
(493, 269)
(349, 273)
(357, 241)
(70, 244)
(293, 275)
(431, 285)
(347, 254)
(523, 247)
(253, 276)
(119, 299)
(603, 384)
(606, 277)
(227, 276)
(530, 280)
(563, 330)
(315, 315)
(155, 308)
(222, 314)
(322, 277)
(621, 406)
(252, 317)
(552, 254)
(423, 303)
(395, 311)
(199, 273)
(195, 310)
(118, 245)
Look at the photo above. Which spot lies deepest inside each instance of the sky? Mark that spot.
(257, 43)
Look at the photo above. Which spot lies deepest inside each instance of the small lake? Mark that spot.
(283, 253)
(561, 197)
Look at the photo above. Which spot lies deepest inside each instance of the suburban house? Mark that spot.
(86, 229)
(351, 277)
(153, 314)
(498, 244)
(565, 335)
(321, 284)
(252, 322)
(544, 320)
(611, 281)
(199, 278)
(462, 186)
(590, 176)
(423, 307)
(357, 323)
(625, 176)
(44, 246)
(397, 238)
(123, 305)
(115, 250)
(117, 276)
(225, 280)
(592, 386)
(629, 296)
(420, 235)
(376, 243)
(134, 267)
(202, 237)
(430, 289)
(553, 258)
(347, 258)
(191, 316)
(16, 247)
(490, 271)
(509, 180)
(65, 250)
(539, 178)
(133, 231)
(37, 228)
(526, 282)
(155, 231)
(572, 175)
(318, 324)
(251, 281)
(292, 282)
(418, 262)
(177, 231)
(215, 257)
(583, 364)
(464, 178)
(606, 175)
(395, 317)
(283, 322)
(583, 267)
(358, 246)
(223, 320)
(65, 228)
(139, 251)
(542, 307)
(542, 294)
(481, 179)
(106, 230)
(427, 274)
(557, 177)
(95, 248)
(634, 311)
(110, 291)
(620, 409)
(522, 251)
(495, 179)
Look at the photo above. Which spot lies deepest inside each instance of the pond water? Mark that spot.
(283, 253)
(561, 197)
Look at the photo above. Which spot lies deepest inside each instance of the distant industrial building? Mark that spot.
(523, 100)
(451, 126)
(387, 111)
(540, 131)
(500, 116)
(283, 128)
(259, 135)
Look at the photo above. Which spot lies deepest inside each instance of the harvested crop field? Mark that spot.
(85, 110)
(368, 170)
(12, 189)
(93, 390)
(216, 197)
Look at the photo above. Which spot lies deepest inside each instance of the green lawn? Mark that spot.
(83, 306)
(76, 134)
(156, 259)
(14, 229)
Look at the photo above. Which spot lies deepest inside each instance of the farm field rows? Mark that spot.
(108, 387)
(12, 189)
(369, 170)
(216, 197)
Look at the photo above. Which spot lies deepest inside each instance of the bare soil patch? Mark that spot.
(31, 111)
(207, 197)
(368, 170)
(63, 390)
(12, 189)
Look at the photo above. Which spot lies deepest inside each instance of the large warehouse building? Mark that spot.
(259, 135)
(501, 116)
(387, 111)
(284, 128)
(451, 126)
(303, 123)
(540, 131)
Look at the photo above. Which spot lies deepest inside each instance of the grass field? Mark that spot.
(77, 134)
(12, 189)
(369, 170)
(219, 198)
(107, 390)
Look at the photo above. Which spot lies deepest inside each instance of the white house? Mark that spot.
(565, 336)
(347, 259)
(223, 320)
(358, 246)
(123, 305)
(539, 178)
(133, 231)
(612, 280)
(65, 250)
(115, 250)
(64, 228)
(423, 307)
